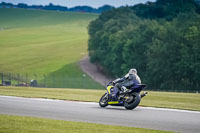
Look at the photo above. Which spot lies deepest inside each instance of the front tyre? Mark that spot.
(103, 102)
(132, 100)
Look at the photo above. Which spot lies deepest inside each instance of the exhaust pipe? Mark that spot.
(144, 94)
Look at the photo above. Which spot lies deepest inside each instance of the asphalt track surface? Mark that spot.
(142, 117)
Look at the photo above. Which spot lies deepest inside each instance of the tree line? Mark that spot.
(58, 7)
(160, 39)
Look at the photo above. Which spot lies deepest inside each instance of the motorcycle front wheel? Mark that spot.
(132, 100)
(103, 102)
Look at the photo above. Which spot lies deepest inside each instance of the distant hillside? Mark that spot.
(13, 18)
(39, 42)
(58, 7)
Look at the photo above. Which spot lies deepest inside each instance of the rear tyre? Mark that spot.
(132, 100)
(103, 102)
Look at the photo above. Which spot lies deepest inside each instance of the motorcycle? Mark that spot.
(129, 98)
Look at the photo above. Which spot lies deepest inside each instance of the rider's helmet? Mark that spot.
(132, 71)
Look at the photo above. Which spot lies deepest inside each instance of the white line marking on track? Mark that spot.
(167, 109)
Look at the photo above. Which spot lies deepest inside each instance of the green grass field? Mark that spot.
(19, 124)
(188, 101)
(43, 42)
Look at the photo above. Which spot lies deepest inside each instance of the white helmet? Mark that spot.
(132, 71)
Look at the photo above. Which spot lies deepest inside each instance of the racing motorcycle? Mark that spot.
(129, 98)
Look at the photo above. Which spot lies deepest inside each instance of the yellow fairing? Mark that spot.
(108, 88)
(115, 102)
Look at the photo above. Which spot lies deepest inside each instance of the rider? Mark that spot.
(129, 80)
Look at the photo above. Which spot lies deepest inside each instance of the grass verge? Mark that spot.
(18, 124)
(188, 101)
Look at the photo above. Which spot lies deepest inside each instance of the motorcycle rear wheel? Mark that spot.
(133, 102)
(103, 102)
